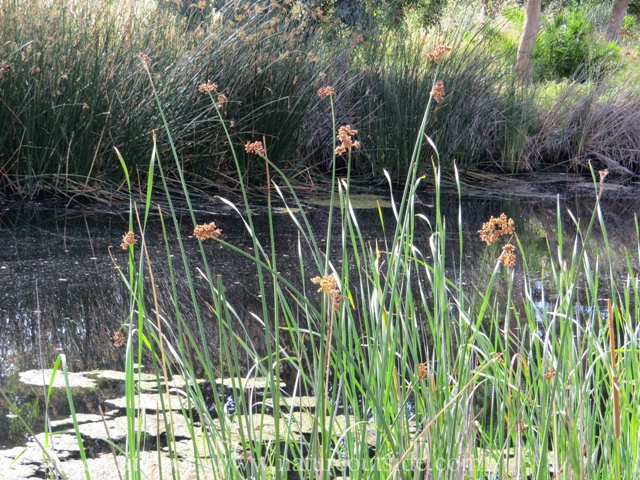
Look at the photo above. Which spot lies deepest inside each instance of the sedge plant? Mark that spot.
(401, 371)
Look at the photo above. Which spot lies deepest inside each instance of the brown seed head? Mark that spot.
(208, 230)
(507, 257)
(328, 284)
(496, 227)
(439, 53)
(345, 134)
(337, 299)
(222, 98)
(128, 239)
(208, 87)
(423, 371)
(255, 147)
(438, 91)
(144, 59)
(326, 92)
(118, 338)
(508, 248)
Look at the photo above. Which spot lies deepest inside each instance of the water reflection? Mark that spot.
(62, 293)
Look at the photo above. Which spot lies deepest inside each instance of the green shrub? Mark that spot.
(567, 44)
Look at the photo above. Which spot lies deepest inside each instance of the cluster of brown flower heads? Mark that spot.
(329, 286)
(507, 257)
(346, 141)
(208, 87)
(326, 92)
(438, 91)
(118, 338)
(423, 371)
(144, 58)
(128, 239)
(439, 53)
(495, 228)
(255, 147)
(206, 231)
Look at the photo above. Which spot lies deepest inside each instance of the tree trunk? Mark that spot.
(524, 60)
(615, 20)
(484, 10)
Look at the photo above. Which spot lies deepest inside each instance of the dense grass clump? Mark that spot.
(73, 88)
(413, 370)
(471, 122)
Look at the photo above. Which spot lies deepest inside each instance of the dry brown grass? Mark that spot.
(598, 128)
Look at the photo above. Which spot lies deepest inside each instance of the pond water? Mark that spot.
(61, 289)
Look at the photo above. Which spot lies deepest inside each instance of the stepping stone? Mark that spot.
(115, 375)
(150, 425)
(61, 443)
(149, 402)
(294, 403)
(76, 380)
(80, 417)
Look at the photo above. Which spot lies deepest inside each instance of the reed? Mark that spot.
(412, 372)
(73, 88)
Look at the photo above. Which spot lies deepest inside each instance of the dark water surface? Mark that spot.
(61, 290)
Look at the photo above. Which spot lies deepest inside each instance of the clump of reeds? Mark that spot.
(469, 124)
(412, 371)
(73, 88)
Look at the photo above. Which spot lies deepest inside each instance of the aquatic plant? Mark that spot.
(413, 372)
(399, 355)
(72, 92)
(71, 85)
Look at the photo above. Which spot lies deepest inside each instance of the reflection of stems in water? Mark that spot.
(47, 427)
(113, 450)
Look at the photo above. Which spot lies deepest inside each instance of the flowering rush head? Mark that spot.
(206, 231)
(208, 87)
(438, 91)
(507, 257)
(329, 286)
(118, 338)
(255, 147)
(439, 53)
(144, 58)
(495, 228)
(128, 239)
(345, 134)
(326, 92)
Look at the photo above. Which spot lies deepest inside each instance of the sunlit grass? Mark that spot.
(411, 373)
(73, 88)
(402, 361)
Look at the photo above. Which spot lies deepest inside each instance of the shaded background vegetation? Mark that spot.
(73, 88)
